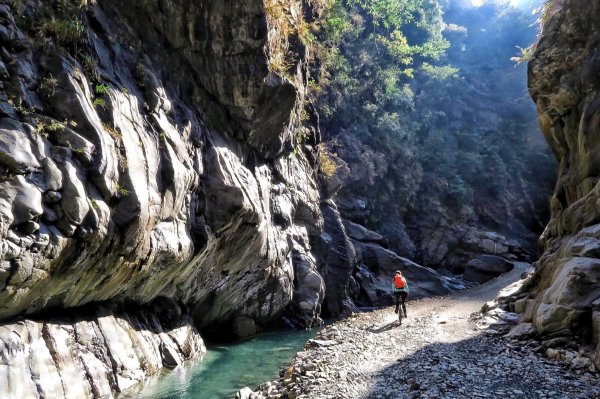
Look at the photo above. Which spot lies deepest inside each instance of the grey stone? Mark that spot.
(244, 326)
(21, 270)
(360, 233)
(523, 330)
(15, 147)
(486, 267)
(243, 393)
(169, 355)
(52, 197)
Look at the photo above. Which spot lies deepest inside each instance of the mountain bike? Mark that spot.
(401, 304)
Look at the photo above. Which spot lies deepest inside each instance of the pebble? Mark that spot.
(370, 356)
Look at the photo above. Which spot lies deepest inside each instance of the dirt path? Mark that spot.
(436, 353)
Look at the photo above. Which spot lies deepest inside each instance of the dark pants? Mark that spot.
(401, 299)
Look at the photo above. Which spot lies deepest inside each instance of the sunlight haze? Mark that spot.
(515, 3)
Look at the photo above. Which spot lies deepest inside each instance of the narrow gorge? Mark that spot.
(179, 173)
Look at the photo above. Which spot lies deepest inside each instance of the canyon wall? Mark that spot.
(562, 297)
(146, 157)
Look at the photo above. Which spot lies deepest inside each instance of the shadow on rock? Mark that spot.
(107, 348)
(383, 328)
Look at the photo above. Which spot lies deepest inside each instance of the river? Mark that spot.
(226, 368)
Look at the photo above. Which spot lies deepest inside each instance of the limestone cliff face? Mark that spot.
(563, 295)
(146, 155)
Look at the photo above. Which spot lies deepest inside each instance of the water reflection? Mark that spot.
(225, 368)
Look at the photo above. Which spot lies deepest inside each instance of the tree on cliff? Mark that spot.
(421, 101)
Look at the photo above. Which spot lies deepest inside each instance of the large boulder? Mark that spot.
(486, 267)
(376, 271)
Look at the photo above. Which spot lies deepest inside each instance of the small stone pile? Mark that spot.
(495, 318)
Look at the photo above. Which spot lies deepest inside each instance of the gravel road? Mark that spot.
(439, 351)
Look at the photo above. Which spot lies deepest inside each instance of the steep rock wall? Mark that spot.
(146, 152)
(149, 156)
(562, 296)
(92, 354)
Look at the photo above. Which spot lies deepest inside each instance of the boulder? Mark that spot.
(16, 154)
(244, 326)
(360, 233)
(521, 331)
(244, 393)
(486, 267)
(376, 271)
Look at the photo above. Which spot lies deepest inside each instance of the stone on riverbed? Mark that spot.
(522, 330)
(244, 393)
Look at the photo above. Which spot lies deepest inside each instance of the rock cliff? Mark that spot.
(146, 155)
(562, 297)
(443, 156)
(153, 187)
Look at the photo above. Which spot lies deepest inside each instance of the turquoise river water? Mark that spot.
(226, 368)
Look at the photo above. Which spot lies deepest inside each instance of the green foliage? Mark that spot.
(45, 126)
(369, 52)
(64, 21)
(122, 191)
(65, 31)
(443, 72)
(101, 103)
(102, 89)
(90, 66)
(94, 203)
(327, 164)
(20, 108)
(48, 85)
(433, 111)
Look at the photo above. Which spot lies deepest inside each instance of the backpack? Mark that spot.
(399, 282)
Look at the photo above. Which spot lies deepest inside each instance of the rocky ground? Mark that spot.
(441, 350)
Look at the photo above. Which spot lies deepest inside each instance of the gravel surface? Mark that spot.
(439, 351)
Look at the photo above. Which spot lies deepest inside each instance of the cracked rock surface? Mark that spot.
(145, 156)
(562, 298)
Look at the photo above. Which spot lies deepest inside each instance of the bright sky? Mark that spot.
(478, 3)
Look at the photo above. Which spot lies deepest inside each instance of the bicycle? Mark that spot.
(401, 300)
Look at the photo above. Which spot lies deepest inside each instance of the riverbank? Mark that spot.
(224, 368)
(439, 351)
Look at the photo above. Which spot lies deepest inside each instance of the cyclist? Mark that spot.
(400, 289)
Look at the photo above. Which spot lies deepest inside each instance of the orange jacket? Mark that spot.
(400, 284)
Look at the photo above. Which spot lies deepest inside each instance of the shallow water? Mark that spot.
(226, 368)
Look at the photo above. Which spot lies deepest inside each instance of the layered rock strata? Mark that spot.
(92, 355)
(145, 152)
(562, 297)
